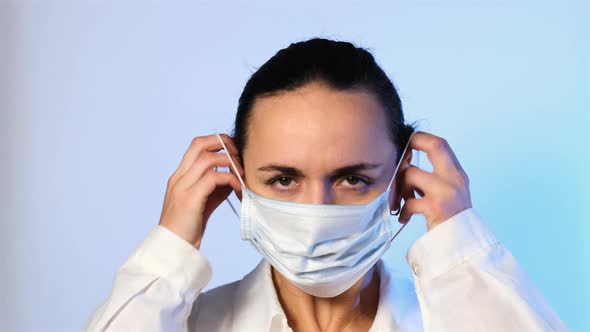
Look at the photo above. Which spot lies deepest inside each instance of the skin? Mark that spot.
(298, 145)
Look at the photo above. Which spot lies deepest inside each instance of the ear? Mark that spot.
(239, 194)
(407, 160)
(395, 195)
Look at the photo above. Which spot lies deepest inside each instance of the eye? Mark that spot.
(281, 182)
(355, 182)
(284, 181)
(352, 180)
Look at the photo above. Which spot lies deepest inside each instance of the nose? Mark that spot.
(320, 193)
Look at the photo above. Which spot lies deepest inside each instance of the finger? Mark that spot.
(412, 206)
(406, 193)
(438, 151)
(207, 161)
(233, 152)
(229, 165)
(422, 181)
(201, 144)
(215, 145)
(239, 194)
(211, 180)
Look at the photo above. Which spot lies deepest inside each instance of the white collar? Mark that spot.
(398, 308)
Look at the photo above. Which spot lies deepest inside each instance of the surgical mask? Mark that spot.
(321, 248)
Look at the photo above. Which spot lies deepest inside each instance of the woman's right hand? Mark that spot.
(195, 189)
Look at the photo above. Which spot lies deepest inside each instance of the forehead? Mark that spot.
(317, 125)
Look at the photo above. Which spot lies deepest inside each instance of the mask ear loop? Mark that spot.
(399, 163)
(235, 170)
(391, 182)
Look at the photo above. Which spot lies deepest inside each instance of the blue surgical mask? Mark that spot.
(321, 248)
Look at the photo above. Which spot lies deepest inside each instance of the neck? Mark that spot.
(353, 310)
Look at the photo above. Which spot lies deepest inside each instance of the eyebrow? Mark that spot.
(288, 170)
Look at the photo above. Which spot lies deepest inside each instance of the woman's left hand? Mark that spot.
(444, 192)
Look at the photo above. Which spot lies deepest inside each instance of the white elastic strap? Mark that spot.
(230, 160)
(400, 161)
(399, 230)
(390, 182)
(233, 208)
(235, 170)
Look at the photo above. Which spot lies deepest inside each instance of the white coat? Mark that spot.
(464, 280)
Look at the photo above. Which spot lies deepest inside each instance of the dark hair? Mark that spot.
(341, 65)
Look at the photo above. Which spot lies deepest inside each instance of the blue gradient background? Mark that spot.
(100, 99)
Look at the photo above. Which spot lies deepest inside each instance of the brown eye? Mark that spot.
(352, 180)
(284, 181)
(355, 182)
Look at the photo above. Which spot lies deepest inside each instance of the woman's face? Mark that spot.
(319, 145)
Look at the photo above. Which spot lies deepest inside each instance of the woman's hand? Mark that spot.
(444, 192)
(195, 189)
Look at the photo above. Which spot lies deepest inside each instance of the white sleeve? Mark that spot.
(467, 280)
(154, 290)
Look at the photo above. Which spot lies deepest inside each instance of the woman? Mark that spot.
(319, 157)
